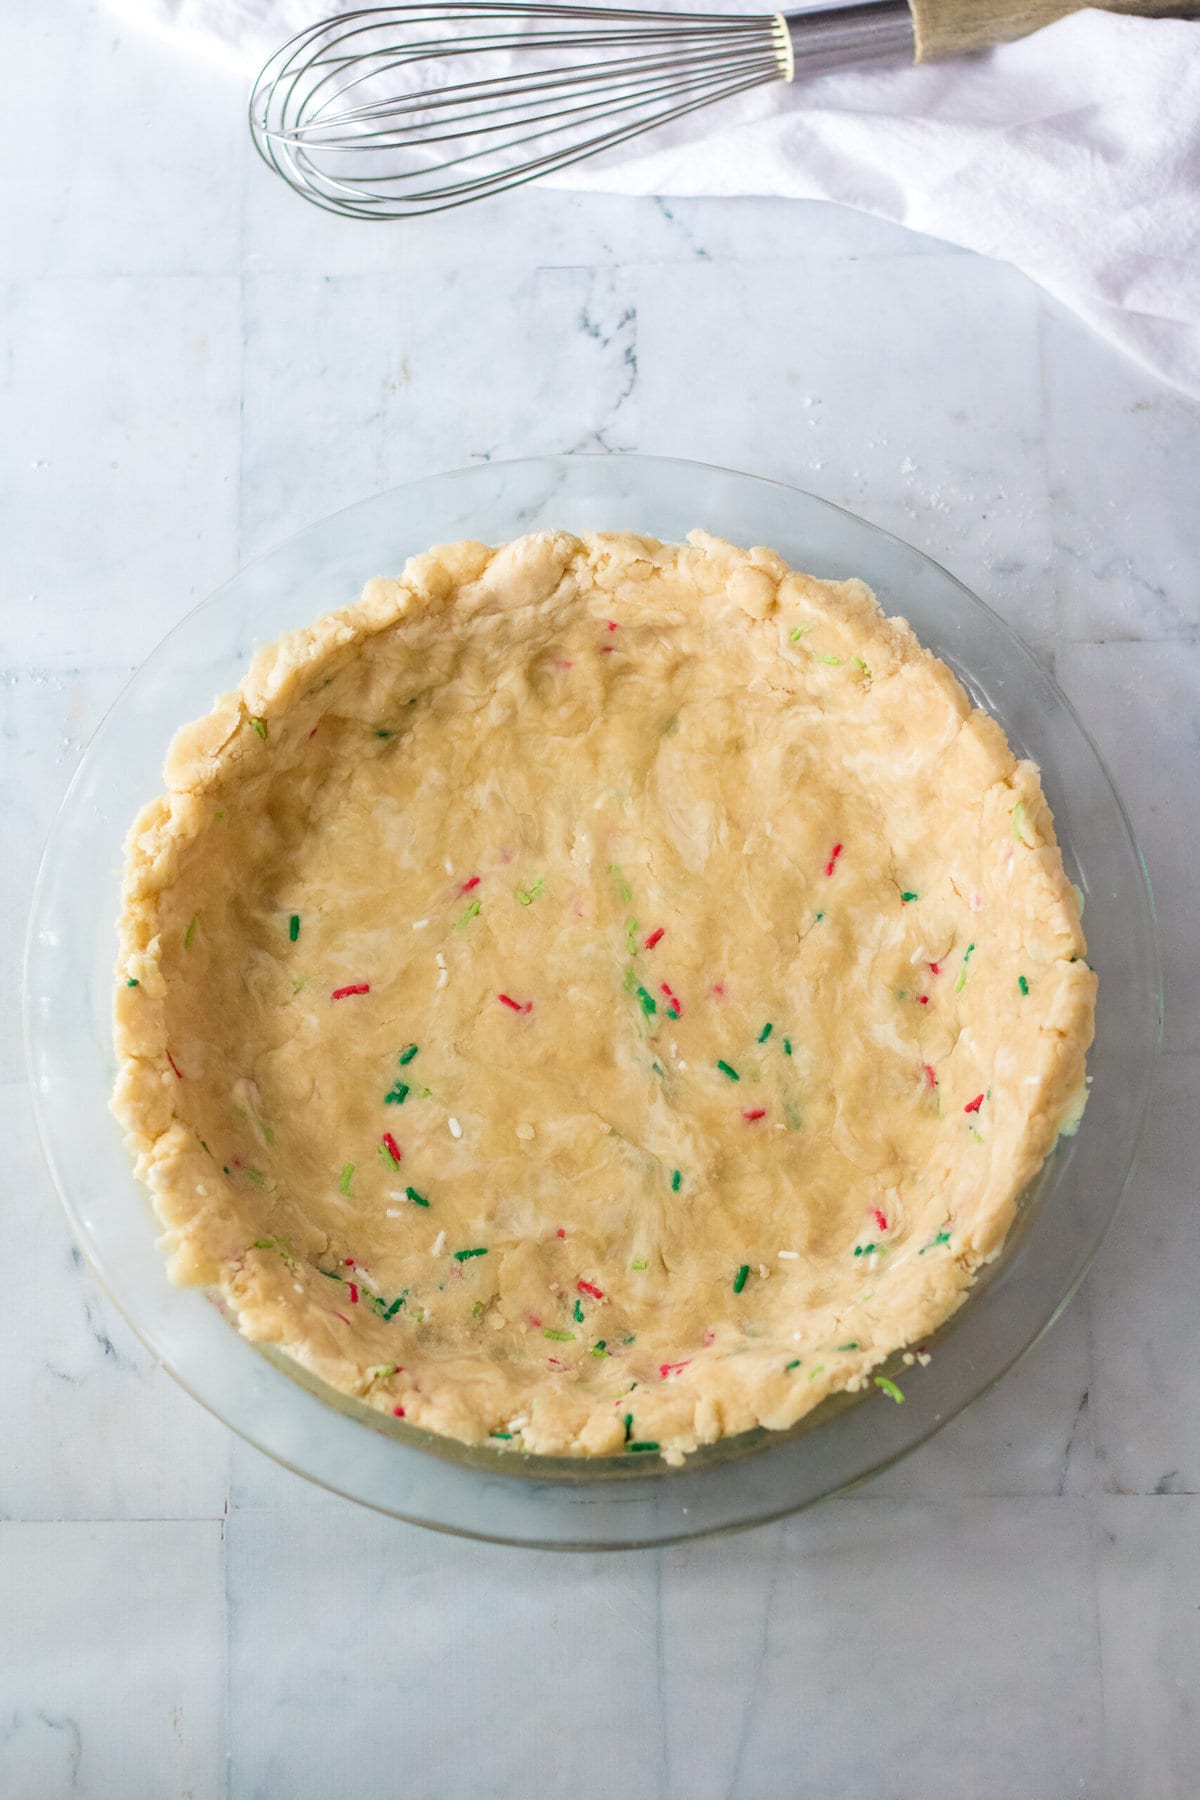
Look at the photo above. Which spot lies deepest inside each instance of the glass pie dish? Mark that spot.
(482, 1492)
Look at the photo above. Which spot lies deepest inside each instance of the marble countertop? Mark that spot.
(194, 365)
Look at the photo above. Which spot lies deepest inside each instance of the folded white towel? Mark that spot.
(1074, 154)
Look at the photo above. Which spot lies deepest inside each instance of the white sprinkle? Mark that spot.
(517, 1424)
(296, 1285)
(908, 1359)
(448, 866)
(525, 1133)
(439, 1244)
(443, 978)
(393, 1212)
(455, 1128)
(681, 1065)
(788, 1255)
(763, 1271)
(924, 1358)
(441, 960)
(419, 924)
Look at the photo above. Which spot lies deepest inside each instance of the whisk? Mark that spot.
(388, 112)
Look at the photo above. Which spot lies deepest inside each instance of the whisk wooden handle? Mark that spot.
(951, 27)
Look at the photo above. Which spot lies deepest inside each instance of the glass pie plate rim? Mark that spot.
(483, 1492)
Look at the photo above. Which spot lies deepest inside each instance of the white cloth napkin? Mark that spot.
(1074, 154)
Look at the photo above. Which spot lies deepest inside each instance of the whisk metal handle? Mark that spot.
(843, 37)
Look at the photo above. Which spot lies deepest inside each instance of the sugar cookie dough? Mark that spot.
(596, 996)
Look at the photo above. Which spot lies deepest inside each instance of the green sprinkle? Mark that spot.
(294, 927)
(472, 912)
(765, 1033)
(383, 734)
(628, 1426)
(298, 984)
(1022, 984)
(739, 1280)
(890, 1389)
(598, 1348)
(1017, 820)
(631, 1339)
(835, 662)
(466, 1255)
(132, 982)
(477, 1309)
(975, 1134)
(500, 1434)
(256, 1176)
(394, 1308)
(330, 1274)
(648, 1002)
(860, 664)
(420, 1200)
(791, 1366)
(631, 936)
(863, 1249)
(263, 1244)
(727, 1070)
(219, 815)
(943, 1237)
(528, 895)
(787, 1046)
(260, 725)
(676, 1180)
(961, 983)
(344, 1183)
(852, 1346)
(819, 1370)
(820, 916)
(905, 898)
(559, 1337)
(638, 1265)
(642, 1446)
(623, 887)
(578, 1315)
(798, 631)
(398, 1095)
(384, 1370)
(407, 1054)
(190, 933)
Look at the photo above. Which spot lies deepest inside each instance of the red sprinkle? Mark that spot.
(833, 856)
(585, 1287)
(347, 1262)
(653, 938)
(675, 1005)
(353, 1293)
(175, 1065)
(612, 624)
(935, 968)
(398, 1412)
(507, 1000)
(313, 732)
(718, 987)
(879, 1218)
(359, 987)
(930, 1076)
(974, 1105)
(922, 999)
(667, 1369)
(468, 885)
(560, 1232)
(757, 1112)
(341, 1316)
(391, 1146)
(534, 1320)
